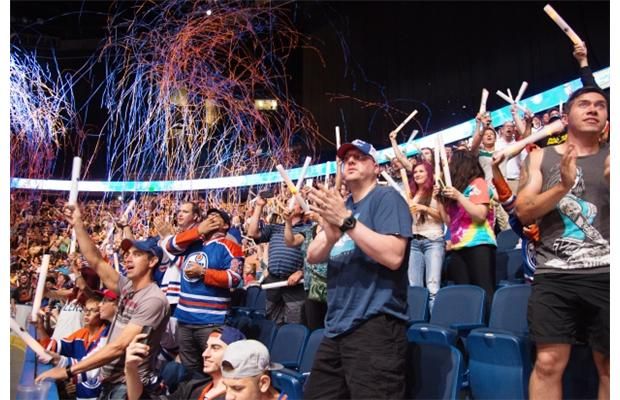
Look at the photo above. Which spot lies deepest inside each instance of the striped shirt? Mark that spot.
(283, 260)
(206, 300)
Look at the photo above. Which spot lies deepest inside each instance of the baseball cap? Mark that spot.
(149, 245)
(246, 358)
(360, 145)
(223, 214)
(109, 294)
(228, 334)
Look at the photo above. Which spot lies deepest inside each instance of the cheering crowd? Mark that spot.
(157, 285)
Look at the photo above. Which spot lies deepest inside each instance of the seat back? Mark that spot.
(509, 309)
(458, 304)
(434, 372)
(266, 332)
(508, 265)
(499, 365)
(311, 347)
(289, 384)
(417, 304)
(288, 345)
(260, 301)
(507, 239)
(251, 294)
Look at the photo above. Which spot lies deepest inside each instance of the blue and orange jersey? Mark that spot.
(206, 300)
(76, 347)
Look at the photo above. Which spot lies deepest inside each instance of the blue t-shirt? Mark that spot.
(359, 288)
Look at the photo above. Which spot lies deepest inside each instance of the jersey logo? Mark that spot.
(199, 258)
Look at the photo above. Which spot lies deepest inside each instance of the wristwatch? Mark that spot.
(348, 223)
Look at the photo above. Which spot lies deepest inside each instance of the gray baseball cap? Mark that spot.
(246, 358)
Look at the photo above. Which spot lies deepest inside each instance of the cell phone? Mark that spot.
(266, 194)
(147, 330)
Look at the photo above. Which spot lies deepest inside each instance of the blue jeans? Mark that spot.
(426, 260)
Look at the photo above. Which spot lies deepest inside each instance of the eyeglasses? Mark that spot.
(91, 311)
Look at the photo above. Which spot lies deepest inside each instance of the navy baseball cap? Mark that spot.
(360, 145)
(223, 214)
(228, 334)
(149, 245)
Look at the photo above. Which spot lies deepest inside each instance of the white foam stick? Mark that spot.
(402, 124)
(393, 184)
(73, 242)
(444, 163)
(30, 341)
(275, 285)
(116, 265)
(337, 137)
(38, 295)
(509, 100)
(302, 174)
(522, 90)
(413, 135)
(510, 95)
(292, 188)
(75, 177)
(437, 161)
(562, 24)
(108, 236)
(516, 148)
(560, 107)
(130, 207)
(483, 101)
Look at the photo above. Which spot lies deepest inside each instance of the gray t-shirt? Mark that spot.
(575, 234)
(146, 307)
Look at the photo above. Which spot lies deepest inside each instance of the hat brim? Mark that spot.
(344, 148)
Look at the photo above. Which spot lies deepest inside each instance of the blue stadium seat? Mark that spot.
(266, 332)
(435, 371)
(259, 307)
(500, 354)
(299, 377)
(417, 304)
(250, 304)
(507, 240)
(287, 383)
(289, 344)
(509, 267)
(457, 310)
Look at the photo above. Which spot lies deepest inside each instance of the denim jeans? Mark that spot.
(425, 264)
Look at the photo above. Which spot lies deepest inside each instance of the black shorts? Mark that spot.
(568, 308)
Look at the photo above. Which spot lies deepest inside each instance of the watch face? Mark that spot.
(348, 223)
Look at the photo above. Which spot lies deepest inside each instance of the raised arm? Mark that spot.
(481, 120)
(106, 272)
(580, 52)
(253, 230)
(399, 154)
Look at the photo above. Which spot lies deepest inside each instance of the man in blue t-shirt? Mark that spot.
(365, 241)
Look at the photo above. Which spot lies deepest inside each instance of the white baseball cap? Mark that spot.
(246, 358)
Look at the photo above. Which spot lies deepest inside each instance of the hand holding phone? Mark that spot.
(146, 330)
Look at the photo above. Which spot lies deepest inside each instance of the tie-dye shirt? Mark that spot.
(463, 231)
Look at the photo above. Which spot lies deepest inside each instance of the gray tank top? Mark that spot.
(575, 234)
